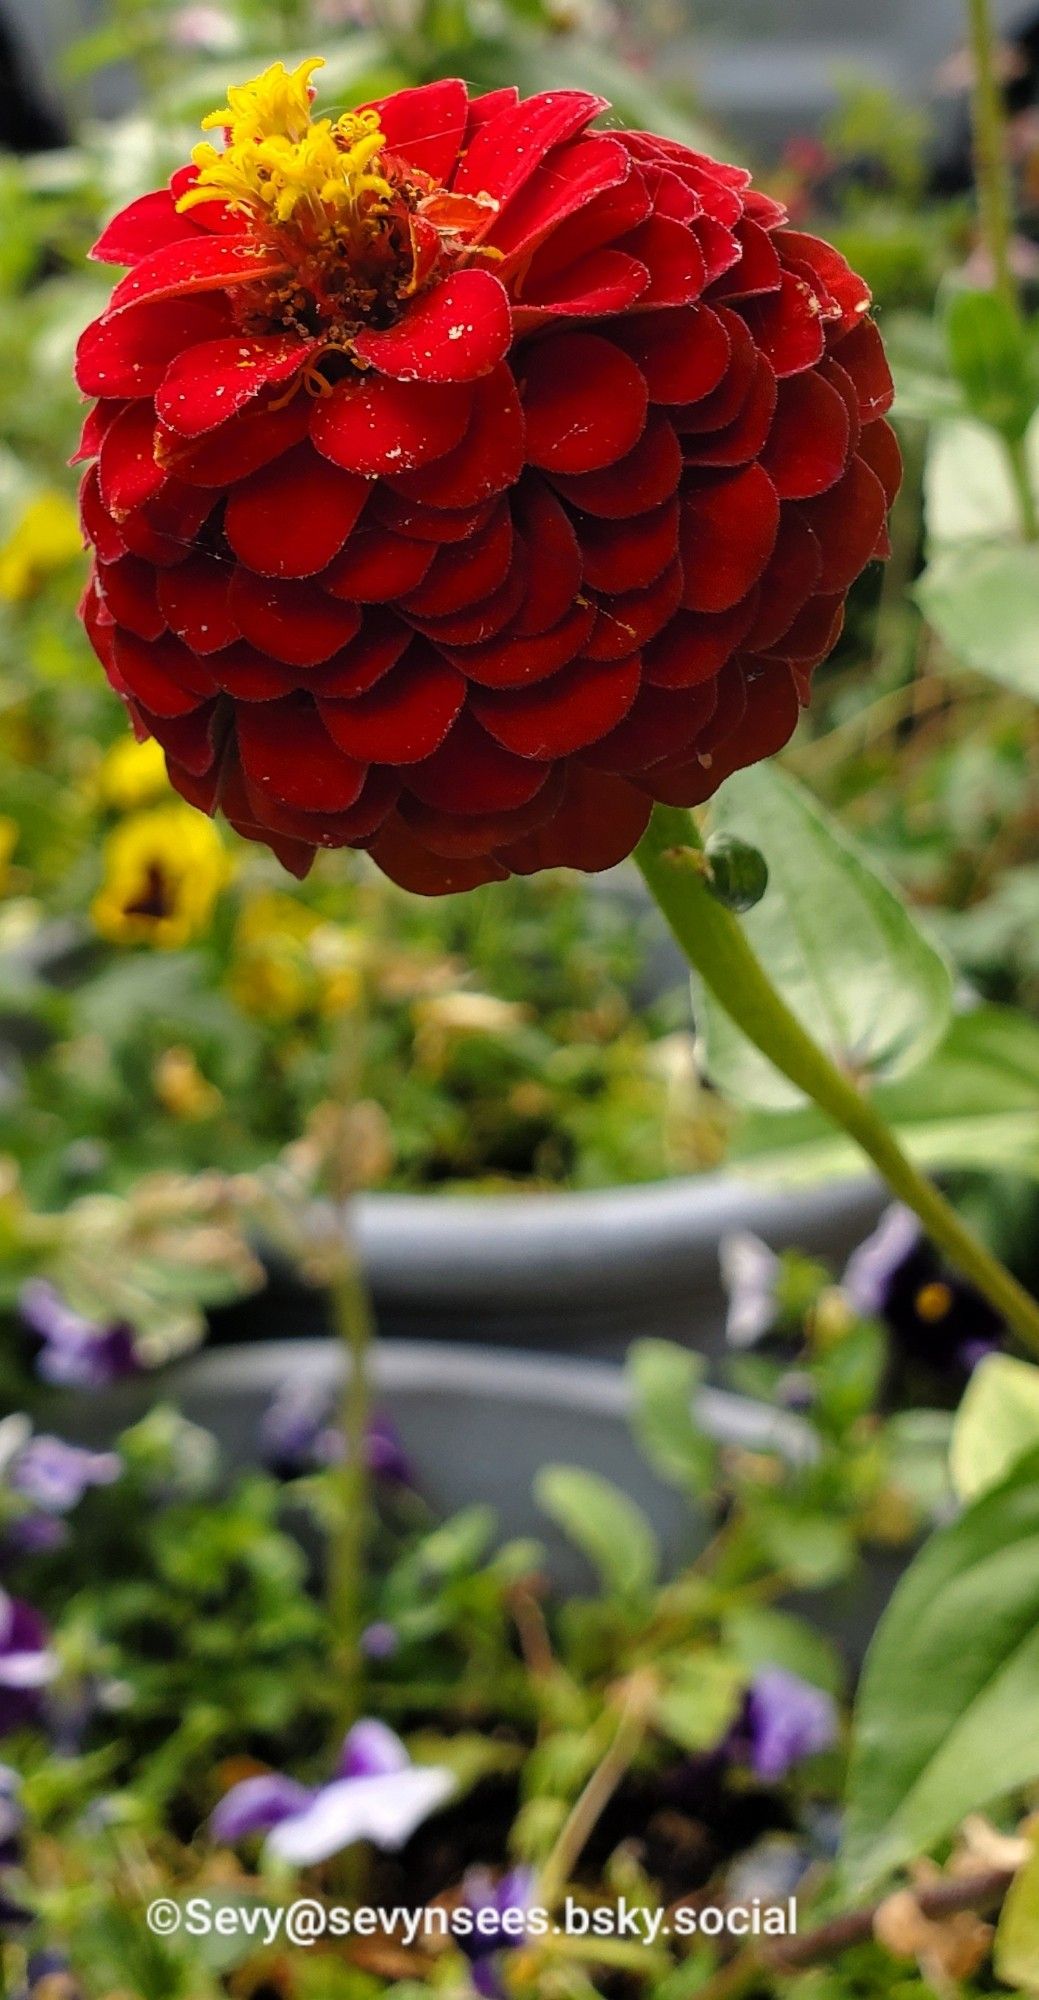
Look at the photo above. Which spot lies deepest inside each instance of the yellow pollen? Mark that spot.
(282, 166)
(933, 1301)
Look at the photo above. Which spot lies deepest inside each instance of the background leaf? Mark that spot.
(947, 1719)
(1016, 1953)
(983, 602)
(837, 940)
(665, 1379)
(974, 1103)
(608, 1527)
(996, 1424)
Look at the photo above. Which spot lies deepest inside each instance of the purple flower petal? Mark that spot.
(750, 1274)
(385, 1810)
(380, 1640)
(872, 1266)
(26, 1663)
(54, 1476)
(788, 1719)
(371, 1750)
(256, 1805)
(77, 1353)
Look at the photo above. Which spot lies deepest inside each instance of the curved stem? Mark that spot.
(718, 948)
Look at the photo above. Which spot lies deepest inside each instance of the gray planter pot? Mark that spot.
(477, 1426)
(577, 1271)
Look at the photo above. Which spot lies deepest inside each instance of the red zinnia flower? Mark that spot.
(465, 479)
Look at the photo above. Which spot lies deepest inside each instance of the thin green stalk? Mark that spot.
(991, 157)
(581, 1822)
(718, 948)
(354, 1325)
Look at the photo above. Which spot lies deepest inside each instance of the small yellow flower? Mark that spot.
(132, 774)
(289, 961)
(181, 1088)
(9, 832)
(163, 872)
(47, 539)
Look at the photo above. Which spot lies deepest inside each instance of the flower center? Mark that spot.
(360, 230)
(934, 1301)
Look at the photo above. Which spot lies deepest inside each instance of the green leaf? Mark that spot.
(603, 1523)
(968, 491)
(947, 1720)
(997, 1423)
(760, 1636)
(1015, 1955)
(665, 1379)
(837, 941)
(973, 1104)
(701, 1701)
(994, 359)
(983, 602)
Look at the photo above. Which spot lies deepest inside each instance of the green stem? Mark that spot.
(586, 1813)
(353, 1322)
(991, 157)
(1021, 480)
(718, 949)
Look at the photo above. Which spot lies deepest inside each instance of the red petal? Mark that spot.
(564, 713)
(96, 425)
(426, 125)
(848, 521)
(682, 353)
(377, 565)
(425, 523)
(511, 662)
(507, 149)
(807, 447)
(553, 568)
(608, 281)
(404, 717)
(647, 476)
(458, 331)
(374, 424)
(598, 824)
(286, 750)
(628, 622)
(376, 799)
(471, 773)
(489, 458)
(200, 264)
(193, 741)
(376, 648)
(149, 223)
(98, 526)
(609, 215)
(207, 384)
(127, 591)
(476, 623)
(790, 580)
(194, 597)
(593, 165)
(128, 473)
(164, 531)
(813, 633)
(628, 555)
(660, 719)
(849, 292)
(862, 355)
(718, 246)
(722, 405)
(247, 675)
(161, 673)
(673, 258)
(758, 270)
(465, 572)
(480, 833)
(879, 446)
(728, 532)
(292, 518)
(743, 439)
(129, 356)
(251, 439)
(402, 857)
(695, 646)
(584, 401)
(788, 326)
(293, 621)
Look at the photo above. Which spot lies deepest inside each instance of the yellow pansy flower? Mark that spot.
(163, 872)
(132, 774)
(47, 539)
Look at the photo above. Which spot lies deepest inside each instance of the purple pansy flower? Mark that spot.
(76, 1353)
(750, 1274)
(297, 1435)
(496, 1929)
(934, 1316)
(785, 1719)
(53, 1476)
(27, 1664)
(376, 1794)
(49, 1976)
